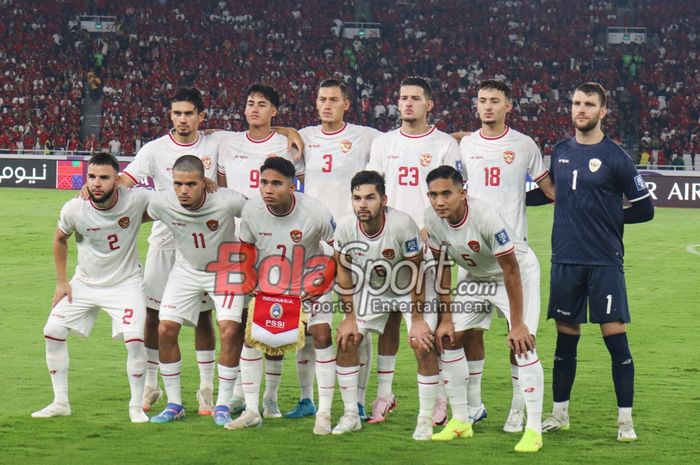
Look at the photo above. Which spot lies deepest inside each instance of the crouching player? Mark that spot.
(108, 276)
(478, 239)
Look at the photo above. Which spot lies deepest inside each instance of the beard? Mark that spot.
(105, 197)
(586, 127)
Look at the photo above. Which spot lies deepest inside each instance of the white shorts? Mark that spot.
(475, 311)
(320, 311)
(182, 298)
(125, 303)
(376, 310)
(159, 263)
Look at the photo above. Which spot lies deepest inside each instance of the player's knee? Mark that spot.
(422, 357)
(321, 335)
(168, 331)
(229, 331)
(56, 332)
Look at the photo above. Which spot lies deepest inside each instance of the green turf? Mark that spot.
(664, 295)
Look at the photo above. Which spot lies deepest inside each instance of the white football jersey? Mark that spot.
(332, 159)
(306, 225)
(240, 159)
(199, 233)
(496, 170)
(405, 161)
(106, 239)
(476, 241)
(156, 159)
(399, 238)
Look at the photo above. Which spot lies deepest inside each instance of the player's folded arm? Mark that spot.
(640, 211)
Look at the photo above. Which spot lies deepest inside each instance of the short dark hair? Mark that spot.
(268, 92)
(420, 82)
(279, 164)
(495, 84)
(445, 172)
(191, 95)
(104, 158)
(590, 88)
(335, 83)
(189, 164)
(368, 177)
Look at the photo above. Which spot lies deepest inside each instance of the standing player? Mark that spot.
(108, 276)
(591, 173)
(405, 156)
(240, 157)
(335, 151)
(156, 159)
(275, 224)
(375, 233)
(479, 240)
(497, 160)
(200, 222)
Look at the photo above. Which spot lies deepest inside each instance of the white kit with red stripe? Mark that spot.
(332, 159)
(496, 169)
(240, 158)
(156, 159)
(405, 161)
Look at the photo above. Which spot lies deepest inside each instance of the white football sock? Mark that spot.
(427, 387)
(152, 363)
(325, 378)
(531, 380)
(561, 409)
(57, 360)
(347, 382)
(238, 388)
(624, 414)
(385, 374)
(365, 351)
(518, 401)
(206, 359)
(476, 368)
(454, 366)
(227, 379)
(135, 369)
(306, 368)
(171, 380)
(251, 372)
(273, 374)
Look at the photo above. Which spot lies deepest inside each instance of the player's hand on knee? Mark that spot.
(519, 339)
(420, 336)
(348, 333)
(62, 290)
(445, 330)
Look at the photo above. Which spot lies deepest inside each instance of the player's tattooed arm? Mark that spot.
(60, 255)
(347, 332)
(420, 336)
(294, 141)
(519, 339)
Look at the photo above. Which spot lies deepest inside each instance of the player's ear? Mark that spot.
(385, 199)
(346, 104)
(603, 112)
(202, 116)
(430, 105)
(274, 111)
(509, 105)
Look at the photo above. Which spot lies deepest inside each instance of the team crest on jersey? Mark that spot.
(276, 311)
(124, 222)
(345, 145)
(295, 235)
(425, 159)
(213, 225)
(594, 164)
(474, 245)
(206, 161)
(389, 254)
(509, 156)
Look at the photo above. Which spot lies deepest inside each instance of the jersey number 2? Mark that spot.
(112, 241)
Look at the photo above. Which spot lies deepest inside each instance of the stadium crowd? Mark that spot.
(221, 47)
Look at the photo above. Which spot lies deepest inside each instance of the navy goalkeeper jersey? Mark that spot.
(590, 181)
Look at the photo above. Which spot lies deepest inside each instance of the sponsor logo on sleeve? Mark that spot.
(639, 181)
(124, 222)
(411, 245)
(212, 225)
(502, 237)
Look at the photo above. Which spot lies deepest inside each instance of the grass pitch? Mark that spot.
(663, 289)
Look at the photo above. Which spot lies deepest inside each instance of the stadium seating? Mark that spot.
(543, 48)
